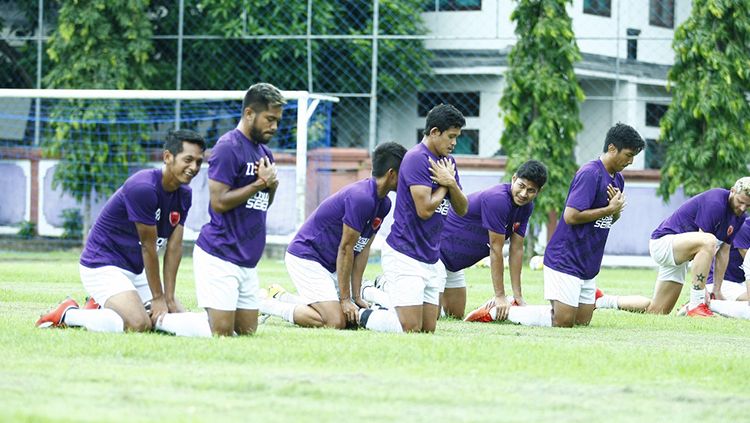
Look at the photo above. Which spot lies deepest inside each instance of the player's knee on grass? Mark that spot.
(331, 315)
(584, 314)
(137, 322)
(453, 301)
(410, 318)
(129, 306)
(245, 321)
(563, 315)
(221, 322)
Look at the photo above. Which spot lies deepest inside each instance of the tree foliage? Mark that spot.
(541, 98)
(97, 44)
(706, 129)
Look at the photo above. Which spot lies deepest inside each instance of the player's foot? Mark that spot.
(481, 314)
(55, 317)
(275, 291)
(598, 294)
(91, 304)
(701, 310)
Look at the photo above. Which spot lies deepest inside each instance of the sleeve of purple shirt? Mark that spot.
(141, 203)
(417, 171)
(583, 190)
(742, 239)
(709, 213)
(494, 213)
(357, 209)
(222, 165)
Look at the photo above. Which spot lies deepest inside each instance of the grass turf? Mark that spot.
(624, 367)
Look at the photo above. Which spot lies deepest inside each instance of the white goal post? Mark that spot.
(306, 104)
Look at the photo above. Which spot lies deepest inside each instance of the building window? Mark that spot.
(661, 13)
(467, 142)
(655, 152)
(451, 5)
(654, 113)
(598, 7)
(467, 103)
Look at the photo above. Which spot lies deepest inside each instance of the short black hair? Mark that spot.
(444, 117)
(175, 138)
(624, 136)
(387, 156)
(534, 171)
(261, 96)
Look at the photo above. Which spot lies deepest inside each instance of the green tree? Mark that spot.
(706, 129)
(541, 98)
(97, 44)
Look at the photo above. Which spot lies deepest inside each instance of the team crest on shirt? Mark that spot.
(730, 230)
(516, 226)
(376, 223)
(174, 218)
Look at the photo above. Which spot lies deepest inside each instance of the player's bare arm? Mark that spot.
(496, 271)
(223, 198)
(444, 174)
(720, 267)
(574, 216)
(358, 270)
(515, 254)
(172, 258)
(344, 263)
(147, 235)
(426, 200)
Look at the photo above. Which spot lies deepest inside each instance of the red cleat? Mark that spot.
(481, 314)
(598, 294)
(91, 304)
(701, 310)
(55, 317)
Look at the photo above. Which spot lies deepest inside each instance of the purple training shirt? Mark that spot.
(357, 205)
(410, 235)
(735, 272)
(114, 241)
(238, 235)
(577, 250)
(465, 240)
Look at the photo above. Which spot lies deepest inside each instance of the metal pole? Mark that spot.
(301, 159)
(616, 93)
(38, 106)
(178, 82)
(309, 47)
(374, 82)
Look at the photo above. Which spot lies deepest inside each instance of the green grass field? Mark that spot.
(624, 367)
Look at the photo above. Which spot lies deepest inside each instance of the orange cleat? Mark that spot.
(481, 314)
(701, 310)
(91, 304)
(55, 317)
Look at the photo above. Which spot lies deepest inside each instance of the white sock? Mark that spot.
(380, 320)
(697, 296)
(278, 308)
(101, 320)
(291, 298)
(531, 315)
(736, 309)
(607, 301)
(376, 296)
(185, 324)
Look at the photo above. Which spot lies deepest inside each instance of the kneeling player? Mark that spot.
(327, 257)
(148, 211)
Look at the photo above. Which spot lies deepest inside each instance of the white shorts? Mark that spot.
(731, 290)
(101, 283)
(663, 254)
(455, 279)
(568, 289)
(314, 283)
(222, 285)
(411, 282)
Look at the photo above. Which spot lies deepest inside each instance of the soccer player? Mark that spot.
(693, 233)
(428, 185)
(242, 183)
(495, 214)
(327, 257)
(574, 254)
(146, 213)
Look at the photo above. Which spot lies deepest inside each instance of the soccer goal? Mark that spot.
(67, 149)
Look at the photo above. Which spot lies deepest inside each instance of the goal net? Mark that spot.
(64, 152)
